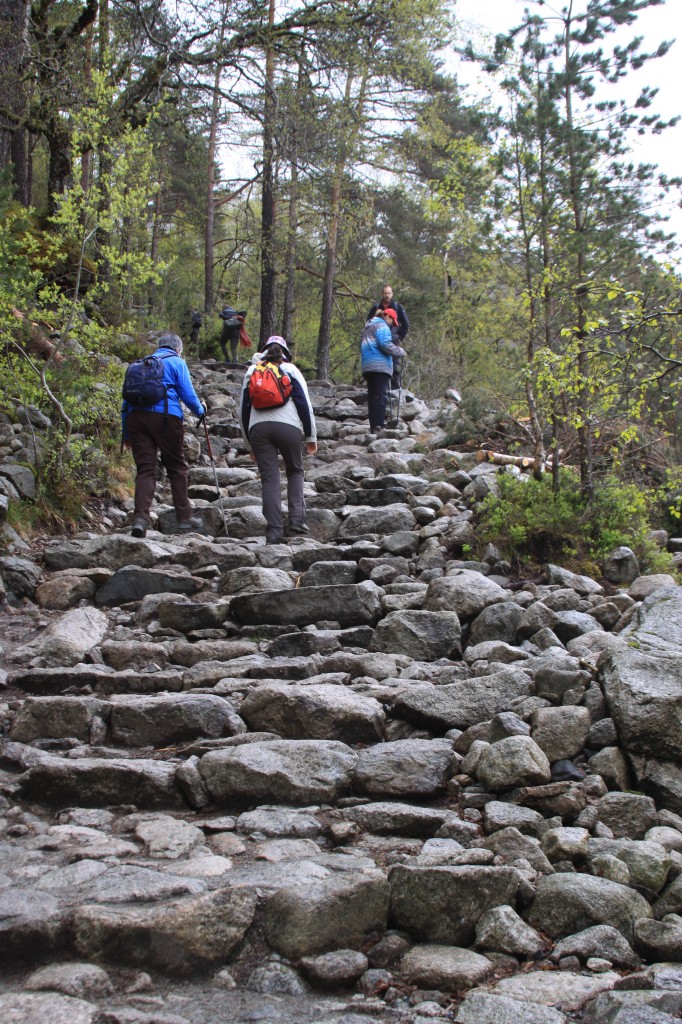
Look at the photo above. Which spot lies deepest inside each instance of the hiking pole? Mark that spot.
(390, 406)
(215, 472)
(400, 398)
(394, 423)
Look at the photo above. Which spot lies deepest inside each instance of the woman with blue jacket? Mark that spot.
(377, 351)
(158, 429)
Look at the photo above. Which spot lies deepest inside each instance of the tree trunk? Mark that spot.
(154, 252)
(528, 258)
(268, 211)
(86, 158)
(583, 430)
(59, 163)
(104, 163)
(345, 148)
(14, 22)
(290, 260)
(19, 158)
(292, 230)
(209, 227)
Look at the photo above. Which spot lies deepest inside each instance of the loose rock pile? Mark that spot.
(353, 777)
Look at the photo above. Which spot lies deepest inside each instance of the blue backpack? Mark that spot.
(143, 384)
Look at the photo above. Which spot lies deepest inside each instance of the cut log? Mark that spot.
(500, 459)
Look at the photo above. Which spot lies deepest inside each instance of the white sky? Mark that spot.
(655, 24)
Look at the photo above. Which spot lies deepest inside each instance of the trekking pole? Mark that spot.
(215, 473)
(394, 423)
(390, 405)
(400, 397)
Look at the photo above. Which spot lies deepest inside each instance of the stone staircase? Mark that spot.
(355, 777)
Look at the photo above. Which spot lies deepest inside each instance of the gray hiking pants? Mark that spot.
(269, 440)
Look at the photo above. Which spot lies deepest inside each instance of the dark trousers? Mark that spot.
(269, 440)
(397, 372)
(230, 336)
(150, 434)
(377, 396)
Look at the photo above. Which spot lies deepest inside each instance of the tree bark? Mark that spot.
(268, 210)
(584, 429)
(14, 15)
(292, 230)
(154, 252)
(59, 163)
(103, 156)
(209, 227)
(290, 260)
(346, 146)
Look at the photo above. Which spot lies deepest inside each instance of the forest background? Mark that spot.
(289, 157)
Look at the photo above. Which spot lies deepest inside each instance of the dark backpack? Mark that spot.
(269, 387)
(143, 383)
(230, 317)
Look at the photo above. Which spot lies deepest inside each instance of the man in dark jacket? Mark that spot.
(159, 430)
(232, 323)
(398, 330)
(196, 321)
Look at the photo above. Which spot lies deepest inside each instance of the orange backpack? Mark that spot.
(268, 386)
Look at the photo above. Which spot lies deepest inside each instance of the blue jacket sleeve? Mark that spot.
(384, 341)
(185, 389)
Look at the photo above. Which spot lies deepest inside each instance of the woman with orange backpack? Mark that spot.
(276, 419)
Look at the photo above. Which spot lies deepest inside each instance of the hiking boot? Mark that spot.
(139, 527)
(193, 525)
(275, 540)
(298, 528)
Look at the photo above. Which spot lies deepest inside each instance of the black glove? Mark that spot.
(202, 418)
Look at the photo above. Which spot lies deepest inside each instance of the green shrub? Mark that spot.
(669, 502)
(533, 524)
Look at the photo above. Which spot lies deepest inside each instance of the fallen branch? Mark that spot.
(338, 284)
(38, 342)
(500, 459)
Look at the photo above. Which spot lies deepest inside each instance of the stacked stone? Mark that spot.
(359, 774)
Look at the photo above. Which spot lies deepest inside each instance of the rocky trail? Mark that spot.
(355, 777)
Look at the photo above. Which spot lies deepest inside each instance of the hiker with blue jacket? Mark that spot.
(399, 328)
(377, 352)
(157, 429)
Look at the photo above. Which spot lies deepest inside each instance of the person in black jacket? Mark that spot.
(232, 323)
(196, 321)
(398, 331)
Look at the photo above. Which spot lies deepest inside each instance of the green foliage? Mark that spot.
(533, 523)
(669, 501)
(57, 352)
(478, 414)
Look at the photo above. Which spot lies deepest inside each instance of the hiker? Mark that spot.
(152, 427)
(398, 330)
(233, 321)
(378, 352)
(196, 321)
(276, 429)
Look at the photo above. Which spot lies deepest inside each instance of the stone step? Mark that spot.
(96, 678)
(155, 720)
(349, 605)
